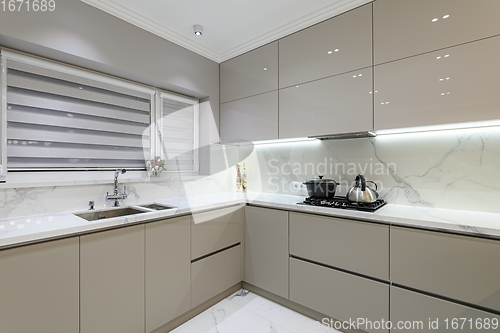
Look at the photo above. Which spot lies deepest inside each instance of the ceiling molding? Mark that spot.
(142, 22)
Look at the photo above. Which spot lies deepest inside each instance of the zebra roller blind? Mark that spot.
(57, 121)
(179, 139)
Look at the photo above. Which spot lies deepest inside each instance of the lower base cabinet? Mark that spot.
(39, 287)
(427, 314)
(168, 271)
(212, 275)
(112, 281)
(337, 294)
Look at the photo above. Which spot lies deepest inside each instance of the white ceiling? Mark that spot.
(231, 27)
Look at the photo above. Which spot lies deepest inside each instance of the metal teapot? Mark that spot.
(361, 193)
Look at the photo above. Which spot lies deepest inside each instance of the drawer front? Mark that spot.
(305, 56)
(464, 78)
(266, 249)
(339, 295)
(250, 74)
(214, 274)
(459, 267)
(355, 246)
(408, 306)
(338, 104)
(404, 28)
(215, 230)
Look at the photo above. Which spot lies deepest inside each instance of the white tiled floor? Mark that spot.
(249, 313)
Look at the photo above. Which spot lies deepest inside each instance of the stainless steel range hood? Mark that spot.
(342, 136)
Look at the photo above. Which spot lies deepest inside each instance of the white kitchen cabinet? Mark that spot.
(168, 271)
(338, 45)
(266, 249)
(448, 86)
(112, 281)
(338, 104)
(463, 268)
(404, 28)
(39, 288)
(250, 74)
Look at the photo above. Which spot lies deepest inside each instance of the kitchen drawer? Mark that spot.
(215, 230)
(212, 275)
(404, 28)
(409, 306)
(339, 295)
(338, 104)
(304, 56)
(459, 267)
(360, 247)
(250, 74)
(453, 85)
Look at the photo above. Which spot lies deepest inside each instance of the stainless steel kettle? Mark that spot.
(361, 193)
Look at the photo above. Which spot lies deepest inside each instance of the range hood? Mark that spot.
(341, 136)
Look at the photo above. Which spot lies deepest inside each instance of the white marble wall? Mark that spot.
(457, 169)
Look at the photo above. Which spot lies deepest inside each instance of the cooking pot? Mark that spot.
(361, 193)
(321, 188)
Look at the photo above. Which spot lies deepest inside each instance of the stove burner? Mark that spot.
(343, 203)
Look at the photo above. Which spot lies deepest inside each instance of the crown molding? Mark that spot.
(117, 10)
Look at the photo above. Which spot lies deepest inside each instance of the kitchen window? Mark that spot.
(60, 118)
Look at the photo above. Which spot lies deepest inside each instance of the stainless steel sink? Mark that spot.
(110, 213)
(157, 207)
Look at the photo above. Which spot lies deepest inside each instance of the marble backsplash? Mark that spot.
(456, 169)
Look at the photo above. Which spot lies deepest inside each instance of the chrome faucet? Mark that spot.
(117, 196)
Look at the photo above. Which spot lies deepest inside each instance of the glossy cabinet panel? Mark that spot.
(339, 104)
(250, 74)
(112, 281)
(338, 45)
(454, 85)
(266, 249)
(168, 271)
(352, 245)
(417, 309)
(212, 275)
(339, 295)
(250, 119)
(215, 230)
(458, 267)
(404, 28)
(39, 288)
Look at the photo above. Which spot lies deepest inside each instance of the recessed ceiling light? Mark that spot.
(265, 68)
(435, 19)
(360, 75)
(336, 50)
(438, 57)
(446, 56)
(446, 16)
(330, 52)
(441, 79)
(198, 30)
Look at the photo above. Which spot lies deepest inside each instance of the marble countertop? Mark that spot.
(24, 230)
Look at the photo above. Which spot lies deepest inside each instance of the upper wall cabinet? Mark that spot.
(338, 104)
(404, 28)
(339, 45)
(250, 74)
(453, 85)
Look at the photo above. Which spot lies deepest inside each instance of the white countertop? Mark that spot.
(23, 230)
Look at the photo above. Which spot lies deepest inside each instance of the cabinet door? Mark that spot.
(168, 269)
(459, 267)
(418, 309)
(341, 296)
(351, 245)
(339, 104)
(212, 275)
(215, 230)
(112, 281)
(39, 290)
(250, 119)
(266, 249)
(453, 85)
(404, 28)
(250, 74)
(339, 45)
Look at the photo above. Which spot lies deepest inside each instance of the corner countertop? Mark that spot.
(29, 229)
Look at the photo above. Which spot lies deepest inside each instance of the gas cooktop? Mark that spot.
(343, 203)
